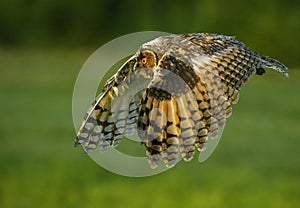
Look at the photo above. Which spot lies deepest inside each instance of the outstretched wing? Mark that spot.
(114, 112)
(191, 94)
(179, 111)
(174, 112)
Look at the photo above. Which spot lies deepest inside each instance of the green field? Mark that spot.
(256, 164)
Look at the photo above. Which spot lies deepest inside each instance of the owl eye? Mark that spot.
(144, 60)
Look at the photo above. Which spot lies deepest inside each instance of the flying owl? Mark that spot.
(175, 92)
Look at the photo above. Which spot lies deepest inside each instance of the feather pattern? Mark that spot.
(176, 92)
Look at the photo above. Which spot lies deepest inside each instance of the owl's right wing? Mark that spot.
(114, 112)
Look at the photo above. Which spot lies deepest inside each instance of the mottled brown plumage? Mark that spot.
(176, 92)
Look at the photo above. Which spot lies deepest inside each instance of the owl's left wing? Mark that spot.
(191, 94)
(229, 60)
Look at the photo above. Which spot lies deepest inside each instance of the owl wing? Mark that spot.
(114, 112)
(179, 111)
(191, 94)
(186, 101)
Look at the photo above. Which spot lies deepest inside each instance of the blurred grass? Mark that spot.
(256, 164)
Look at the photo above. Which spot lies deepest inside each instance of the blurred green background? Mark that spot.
(43, 45)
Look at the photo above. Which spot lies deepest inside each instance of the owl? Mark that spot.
(175, 92)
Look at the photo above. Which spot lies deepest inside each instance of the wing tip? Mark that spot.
(275, 65)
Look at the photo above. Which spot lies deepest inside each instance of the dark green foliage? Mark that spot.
(270, 27)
